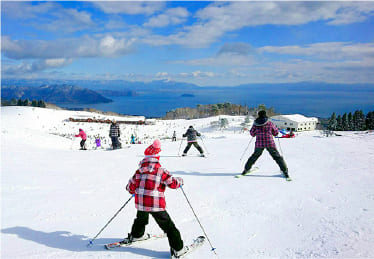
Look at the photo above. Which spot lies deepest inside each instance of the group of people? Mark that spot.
(149, 182)
(114, 134)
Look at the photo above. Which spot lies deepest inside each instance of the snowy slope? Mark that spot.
(56, 197)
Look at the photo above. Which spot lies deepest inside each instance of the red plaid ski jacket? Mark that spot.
(264, 134)
(149, 183)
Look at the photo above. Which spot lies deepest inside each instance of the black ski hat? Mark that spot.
(191, 127)
(262, 114)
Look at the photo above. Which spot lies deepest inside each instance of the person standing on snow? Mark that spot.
(191, 135)
(83, 135)
(174, 138)
(148, 184)
(114, 134)
(132, 141)
(98, 142)
(264, 130)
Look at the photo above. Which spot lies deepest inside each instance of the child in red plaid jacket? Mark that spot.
(264, 130)
(148, 184)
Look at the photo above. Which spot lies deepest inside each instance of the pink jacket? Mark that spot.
(82, 134)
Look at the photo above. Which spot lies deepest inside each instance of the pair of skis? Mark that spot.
(288, 179)
(199, 241)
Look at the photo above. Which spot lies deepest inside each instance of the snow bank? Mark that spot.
(56, 197)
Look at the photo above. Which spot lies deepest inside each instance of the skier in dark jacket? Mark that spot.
(191, 135)
(264, 130)
(174, 138)
(114, 134)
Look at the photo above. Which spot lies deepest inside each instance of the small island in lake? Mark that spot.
(187, 95)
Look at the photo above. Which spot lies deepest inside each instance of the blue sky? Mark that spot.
(205, 43)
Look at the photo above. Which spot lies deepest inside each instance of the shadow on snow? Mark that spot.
(76, 243)
(222, 174)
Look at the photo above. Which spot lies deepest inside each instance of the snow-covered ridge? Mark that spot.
(56, 197)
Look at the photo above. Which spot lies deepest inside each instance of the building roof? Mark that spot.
(296, 117)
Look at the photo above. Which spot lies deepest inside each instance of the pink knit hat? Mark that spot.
(156, 144)
(153, 149)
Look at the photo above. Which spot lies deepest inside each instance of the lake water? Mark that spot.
(309, 103)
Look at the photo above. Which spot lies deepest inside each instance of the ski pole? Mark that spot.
(280, 148)
(213, 249)
(90, 243)
(202, 141)
(246, 149)
(179, 150)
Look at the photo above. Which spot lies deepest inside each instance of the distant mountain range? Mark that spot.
(113, 85)
(53, 94)
(309, 98)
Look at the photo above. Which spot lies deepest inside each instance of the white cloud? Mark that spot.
(230, 54)
(238, 48)
(26, 10)
(131, 7)
(115, 22)
(219, 18)
(171, 16)
(48, 16)
(36, 66)
(87, 46)
(200, 74)
(162, 74)
(327, 50)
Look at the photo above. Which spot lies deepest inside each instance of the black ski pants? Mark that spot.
(164, 221)
(83, 141)
(274, 154)
(115, 142)
(189, 144)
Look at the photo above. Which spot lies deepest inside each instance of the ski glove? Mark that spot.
(179, 180)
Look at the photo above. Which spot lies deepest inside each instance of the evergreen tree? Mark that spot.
(261, 107)
(41, 104)
(332, 122)
(20, 102)
(214, 109)
(370, 120)
(26, 102)
(350, 121)
(345, 125)
(339, 123)
(34, 103)
(359, 120)
(13, 101)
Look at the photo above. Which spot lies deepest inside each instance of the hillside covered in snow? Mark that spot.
(55, 197)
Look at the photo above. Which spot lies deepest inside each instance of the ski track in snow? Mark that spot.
(55, 198)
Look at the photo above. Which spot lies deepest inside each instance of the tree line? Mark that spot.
(208, 110)
(352, 121)
(23, 102)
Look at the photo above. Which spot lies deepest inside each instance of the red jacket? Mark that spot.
(149, 183)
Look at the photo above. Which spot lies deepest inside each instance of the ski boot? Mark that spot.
(180, 253)
(131, 239)
(184, 154)
(287, 176)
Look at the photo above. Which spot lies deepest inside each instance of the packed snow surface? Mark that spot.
(55, 197)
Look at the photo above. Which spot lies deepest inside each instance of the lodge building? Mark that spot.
(294, 122)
